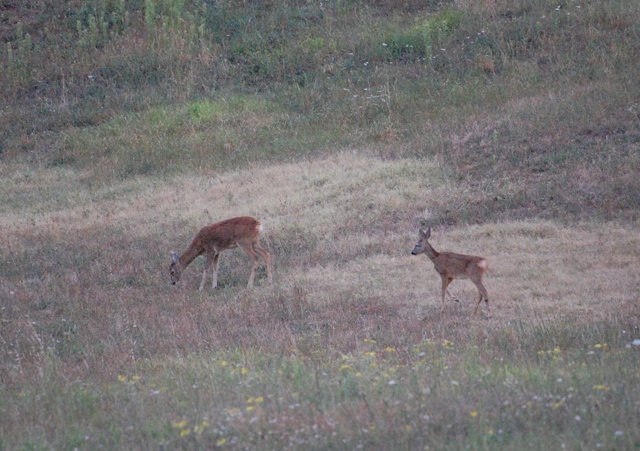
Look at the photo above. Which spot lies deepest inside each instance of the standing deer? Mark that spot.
(454, 266)
(240, 232)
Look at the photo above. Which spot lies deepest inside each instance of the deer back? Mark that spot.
(226, 234)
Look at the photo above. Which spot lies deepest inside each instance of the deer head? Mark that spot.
(422, 245)
(175, 268)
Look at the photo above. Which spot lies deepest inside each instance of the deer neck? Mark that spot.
(190, 255)
(431, 252)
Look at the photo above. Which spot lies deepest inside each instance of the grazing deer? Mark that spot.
(242, 232)
(454, 266)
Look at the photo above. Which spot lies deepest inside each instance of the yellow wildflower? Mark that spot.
(602, 387)
(181, 424)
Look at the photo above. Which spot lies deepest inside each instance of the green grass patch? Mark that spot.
(198, 135)
(440, 394)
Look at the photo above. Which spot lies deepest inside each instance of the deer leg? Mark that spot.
(486, 300)
(445, 283)
(216, 261)
(207, 265)
(267, 258)
(483, 295)
(248, 249)
(453, 298)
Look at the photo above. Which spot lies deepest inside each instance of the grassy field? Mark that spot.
(511, 128)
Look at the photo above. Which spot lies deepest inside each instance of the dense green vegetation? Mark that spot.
(537, 95)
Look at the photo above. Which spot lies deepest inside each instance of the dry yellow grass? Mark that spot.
(538, 271)
(87, 293)
(347, 224)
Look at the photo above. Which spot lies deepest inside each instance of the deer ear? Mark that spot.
(427, 234)
(174, 256)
